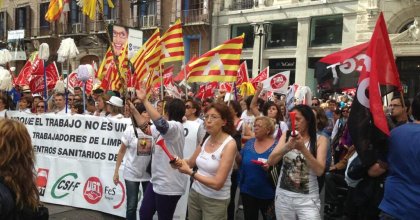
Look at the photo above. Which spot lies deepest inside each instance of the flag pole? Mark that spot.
(67, 86)
(161, 80)
(230, 94)
(185, 79)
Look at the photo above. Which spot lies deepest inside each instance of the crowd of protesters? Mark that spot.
(237, 143)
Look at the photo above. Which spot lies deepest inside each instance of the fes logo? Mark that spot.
(117, 193)
(42, 180)
(93, 190)
(278, 81)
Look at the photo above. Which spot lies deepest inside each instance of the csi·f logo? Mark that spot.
(65, 183)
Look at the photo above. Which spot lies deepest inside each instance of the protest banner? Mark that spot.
(75, 159)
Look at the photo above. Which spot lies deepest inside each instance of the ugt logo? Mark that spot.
(42, 180)
(93, 190)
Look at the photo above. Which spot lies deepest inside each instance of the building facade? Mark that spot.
(91, 36)
(294, 34)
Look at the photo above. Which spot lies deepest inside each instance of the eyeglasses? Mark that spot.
(71, 99)
(392, 105)
(345, 111)
(188, 106)
(119, 34)
(259, 125)
(211, 117)
(315, 104)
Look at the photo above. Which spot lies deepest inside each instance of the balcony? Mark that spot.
(148, 21)
(41, 32)
(98, 26)
(195, 16)
(134, 22)
(242, 4)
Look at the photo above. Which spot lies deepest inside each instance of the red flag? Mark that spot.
(263, 75)
(37, 82)
(382, 70)
(73, 82)
(225, 87)
(242, 74)
(25, 75)
(167, 76)
(206, 90)
(340, 70)
(379, 72)
(37, 66)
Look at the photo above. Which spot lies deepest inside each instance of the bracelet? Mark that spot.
(193, 174)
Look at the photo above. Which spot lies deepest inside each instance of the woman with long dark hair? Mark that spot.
(304, 155)
(166, 184)
(17, 172)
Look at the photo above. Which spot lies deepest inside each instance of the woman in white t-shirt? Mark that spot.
(115, 107)
(166, 184)
(304, 156)
(210, 193)
(136, 147)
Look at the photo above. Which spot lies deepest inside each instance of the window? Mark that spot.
(283, 34)
(281, 65)
(248, 29)
(3, 25)
(110, 13)
(326, 30)
(43, 8)
(241, 4)
(75, 15)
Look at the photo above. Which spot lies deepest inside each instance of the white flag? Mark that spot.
(277, 83)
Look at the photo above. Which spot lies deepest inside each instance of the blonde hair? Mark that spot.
(268, 123)
(17, 163)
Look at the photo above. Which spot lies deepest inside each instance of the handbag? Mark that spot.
(356, 169)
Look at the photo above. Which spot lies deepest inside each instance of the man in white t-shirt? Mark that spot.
(60, 104)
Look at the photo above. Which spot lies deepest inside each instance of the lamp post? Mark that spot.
(261, 29)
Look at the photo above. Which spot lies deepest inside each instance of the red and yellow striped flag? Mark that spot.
(219, 64)
(108, 69)
(55, 8)
(104, 64)
(172, 44)
(139, 59)
(152, 79)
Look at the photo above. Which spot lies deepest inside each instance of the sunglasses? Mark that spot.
(188, 106)
(40, 106)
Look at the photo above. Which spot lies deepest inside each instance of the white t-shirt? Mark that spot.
(351, 182)
(283, 128)
(63, 112)
(136, 159)
(192, 137)
(296, 178)
(165, 179)
(118, 116)
(208, 164)
(3, 113)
